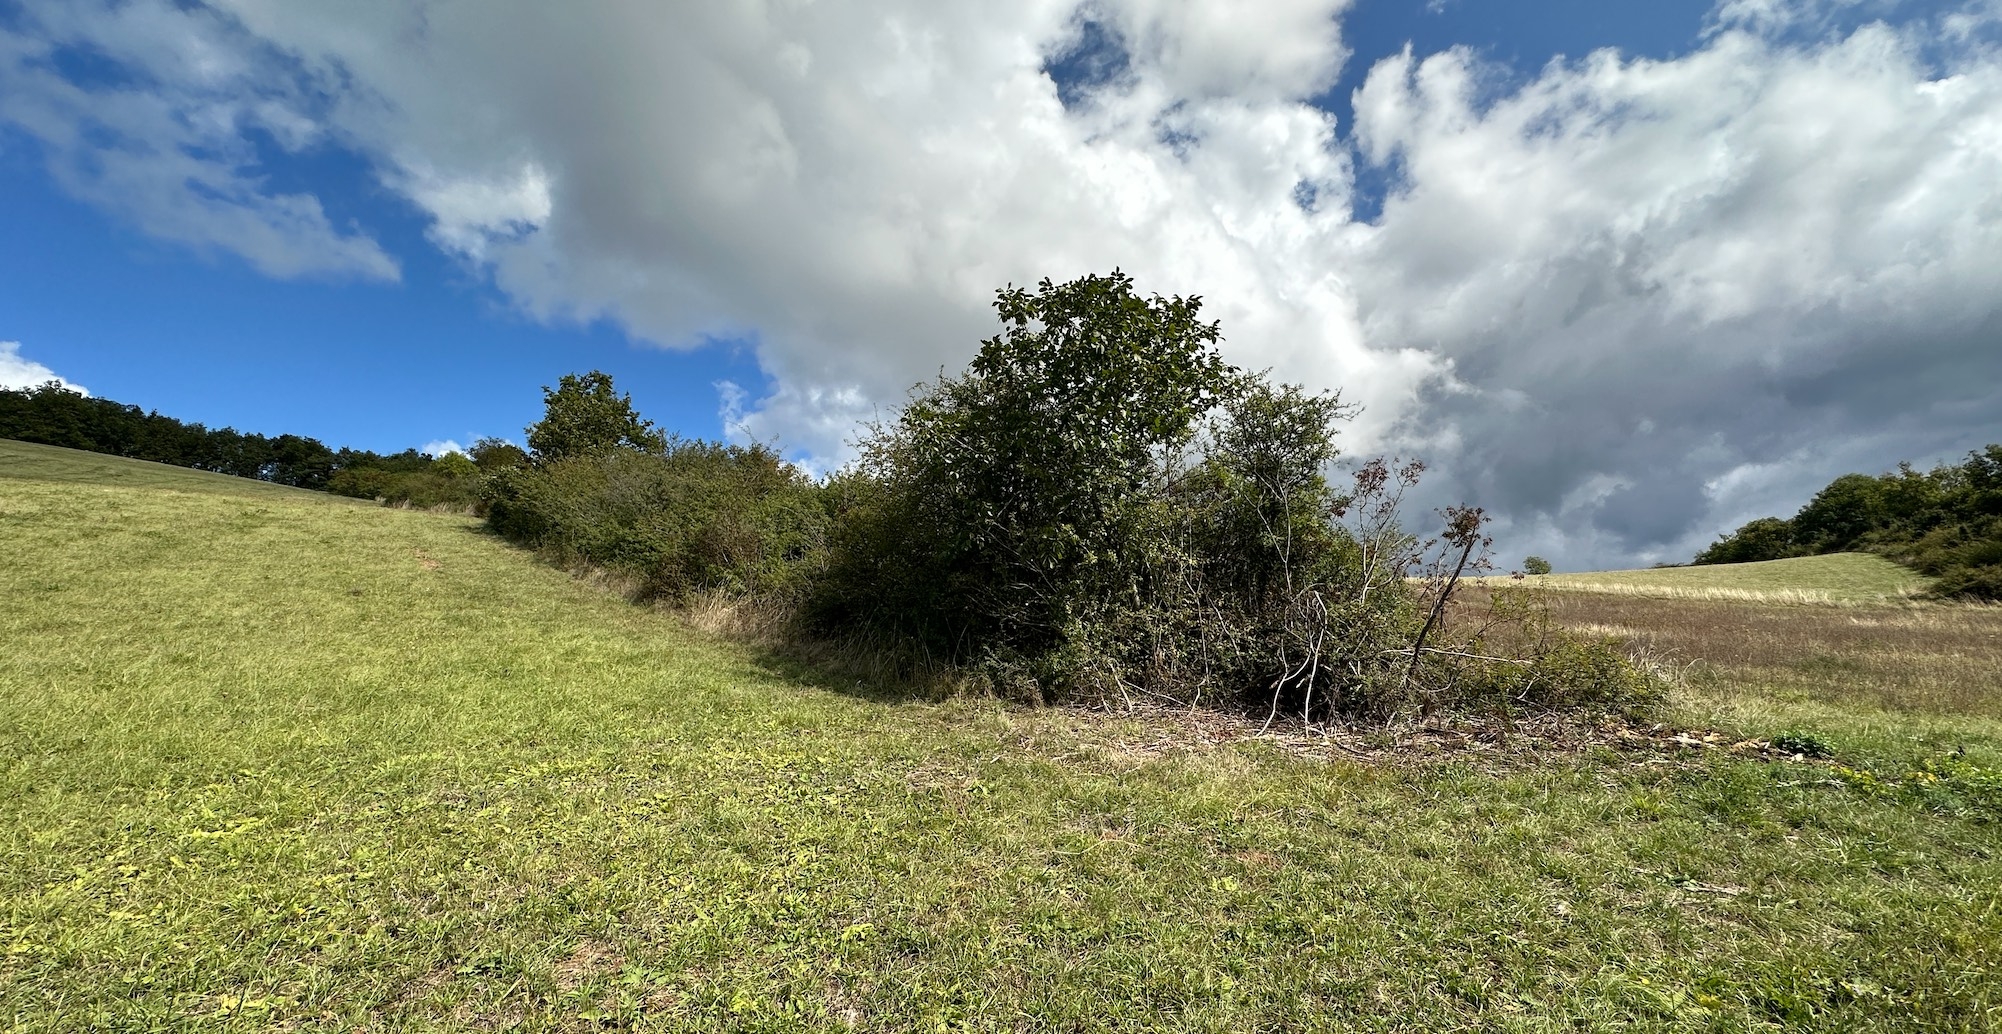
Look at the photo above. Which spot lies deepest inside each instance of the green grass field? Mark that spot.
(269, 760)
(1834, 578)
(29, 462)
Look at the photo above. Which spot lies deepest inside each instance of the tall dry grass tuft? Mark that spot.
(444, 509)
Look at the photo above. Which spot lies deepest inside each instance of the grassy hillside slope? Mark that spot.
(1835, 578)
(28, 461)
(268, 762)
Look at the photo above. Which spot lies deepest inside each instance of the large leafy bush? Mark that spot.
(690, 517)
(1100, 506)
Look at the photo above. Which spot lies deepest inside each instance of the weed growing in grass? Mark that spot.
(1801, 744)
(1949, 784)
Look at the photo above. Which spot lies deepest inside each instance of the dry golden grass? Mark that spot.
(1911, 658)
(1771, 597)
(1836, 579)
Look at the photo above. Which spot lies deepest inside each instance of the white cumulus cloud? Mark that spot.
(1757, 258)
(167, 140)
(18, 371)
(1622, 302)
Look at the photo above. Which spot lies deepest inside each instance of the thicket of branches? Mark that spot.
(1945, 522)
(1099, 508)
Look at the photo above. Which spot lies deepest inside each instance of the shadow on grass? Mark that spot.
(770, 639)
(799, 665)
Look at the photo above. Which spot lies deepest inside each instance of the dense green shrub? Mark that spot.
(423, 488)
(1100, 507)
(693, 516)
(1564, 672)
(601, 486)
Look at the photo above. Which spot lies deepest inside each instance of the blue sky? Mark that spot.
(199, 334)
(1625, 300)
(441, 354)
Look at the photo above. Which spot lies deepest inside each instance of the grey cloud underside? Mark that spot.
(1625, 305)
(1643, 414)
(1677, 294)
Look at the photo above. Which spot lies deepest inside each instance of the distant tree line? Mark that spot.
(1099, 508)
(1945, 522)
(53, 415)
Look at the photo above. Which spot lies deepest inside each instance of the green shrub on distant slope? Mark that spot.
(1767, 538)
(695, 516)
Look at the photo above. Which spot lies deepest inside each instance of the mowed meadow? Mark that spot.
(274, 760)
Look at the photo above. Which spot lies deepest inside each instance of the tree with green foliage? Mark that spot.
(1840, 514)
(492, 454)
(585, 416)
(53, 415)
(301, 462)
(1030, 476)
(1946, 522)
(1535, 565)
(1100, 506)
(1766, 538)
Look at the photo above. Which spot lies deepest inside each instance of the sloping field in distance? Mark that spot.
(1834, 578)
(28, 461)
